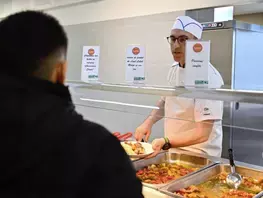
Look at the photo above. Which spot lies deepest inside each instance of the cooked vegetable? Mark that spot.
(217, 188)
(133, 148)
(128, 149)
(163, 173)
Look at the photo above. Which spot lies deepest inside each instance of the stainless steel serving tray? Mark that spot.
(180, 158)
(134, 159)
(205, 175)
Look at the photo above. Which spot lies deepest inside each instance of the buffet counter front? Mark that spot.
(182, 174)
(206, 180)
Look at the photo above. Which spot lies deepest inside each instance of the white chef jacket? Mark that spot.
(182, 113)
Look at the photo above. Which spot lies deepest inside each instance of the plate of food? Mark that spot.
(137, 149)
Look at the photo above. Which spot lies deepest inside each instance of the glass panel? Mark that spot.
(123, 111)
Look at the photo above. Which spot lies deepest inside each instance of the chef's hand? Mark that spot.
(143, 131)
(157, 145)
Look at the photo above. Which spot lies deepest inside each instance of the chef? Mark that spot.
(190, 124)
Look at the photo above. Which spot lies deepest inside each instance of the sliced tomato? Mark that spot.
(140, 172)
(116, 133)
(170, 177)
(125, 136)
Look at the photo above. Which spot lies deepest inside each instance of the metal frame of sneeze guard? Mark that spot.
(228, 95)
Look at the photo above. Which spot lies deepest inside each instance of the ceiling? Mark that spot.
(43, 4)
(245, 7)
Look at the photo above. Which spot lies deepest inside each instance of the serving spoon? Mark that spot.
(233, 179)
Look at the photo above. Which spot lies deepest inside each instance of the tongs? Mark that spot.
(123, 137)
(233, 179)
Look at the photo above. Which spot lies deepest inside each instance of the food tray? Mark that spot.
(167, 157)
(205, 175)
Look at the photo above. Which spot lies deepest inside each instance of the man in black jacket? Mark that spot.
(47, 149)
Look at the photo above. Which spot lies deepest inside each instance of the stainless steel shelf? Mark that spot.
(228, 95)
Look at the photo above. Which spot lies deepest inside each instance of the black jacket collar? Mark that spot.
(35, 84)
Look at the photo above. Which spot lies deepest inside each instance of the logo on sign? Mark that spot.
(197, 48)
(136, 51)
(91, 52)
(206, 112)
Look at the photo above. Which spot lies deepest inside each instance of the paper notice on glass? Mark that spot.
(90, 63)
(197, 63)
(135, 59)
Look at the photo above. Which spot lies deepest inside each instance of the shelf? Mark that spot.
(227, 95)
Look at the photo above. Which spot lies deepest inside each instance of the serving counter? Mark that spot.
(215, 167)
(122, 108)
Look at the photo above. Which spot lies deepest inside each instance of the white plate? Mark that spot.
(148, 149)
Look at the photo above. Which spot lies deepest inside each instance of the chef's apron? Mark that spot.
(182, 113)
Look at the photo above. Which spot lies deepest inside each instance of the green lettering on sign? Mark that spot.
(201, 82)
(93, 76)
(138, 78)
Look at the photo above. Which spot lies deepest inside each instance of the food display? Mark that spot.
(217, 188)
(163, 173)
(133, 148)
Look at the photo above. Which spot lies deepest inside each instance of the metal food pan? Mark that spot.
(180, 158)
(134, 159)
(205, 175)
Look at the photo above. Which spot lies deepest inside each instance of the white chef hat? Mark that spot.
(190, 25)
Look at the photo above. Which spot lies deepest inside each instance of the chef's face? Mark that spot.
(177, 42)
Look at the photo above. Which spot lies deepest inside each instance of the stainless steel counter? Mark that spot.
(153, 193)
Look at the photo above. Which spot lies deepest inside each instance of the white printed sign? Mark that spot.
(197, 63)
(135, 58)
(90, 63)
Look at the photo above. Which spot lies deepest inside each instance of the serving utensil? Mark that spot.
(125, 136)
(233, 179)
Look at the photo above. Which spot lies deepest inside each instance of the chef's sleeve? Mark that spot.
(208, 110)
